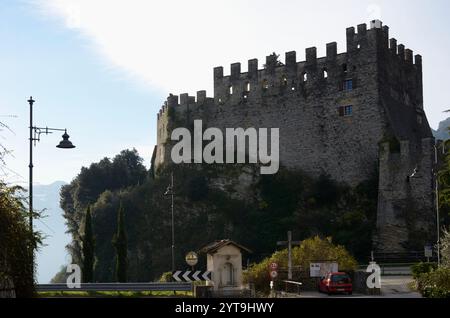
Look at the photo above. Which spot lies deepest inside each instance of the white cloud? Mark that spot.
(173, 45)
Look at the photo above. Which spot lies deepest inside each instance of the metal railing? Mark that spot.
(117, 287)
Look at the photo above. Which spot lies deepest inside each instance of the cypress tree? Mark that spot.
(88, 249)
(120, 244)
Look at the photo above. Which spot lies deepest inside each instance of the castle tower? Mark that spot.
(345, 115)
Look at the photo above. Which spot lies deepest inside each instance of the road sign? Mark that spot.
(191, 276)
(321, 269)
(191, 258)
(273, 274)
(273, 266)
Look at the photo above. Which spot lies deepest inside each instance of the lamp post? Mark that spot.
(35, 136)
(169, 191)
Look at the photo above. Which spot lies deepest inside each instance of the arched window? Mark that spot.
(325, 73)
(247, 87)
(344, 68)
(230, 89)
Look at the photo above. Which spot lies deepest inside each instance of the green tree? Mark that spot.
(310, 250)
(16, 243)
(88, 249)
(120, 244)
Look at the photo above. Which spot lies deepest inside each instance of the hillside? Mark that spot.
(211, 203)
(443, 133)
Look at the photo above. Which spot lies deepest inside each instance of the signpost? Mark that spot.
(273, 273)
(191, 259)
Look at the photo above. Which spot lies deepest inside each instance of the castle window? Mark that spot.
(344, 68)
(230, 90)
(247, 87)
(265, 84)
(346, 111)
(305, 77)
(348, 85)
(293, 86)
(358, 46)
(284, 81)
(325, 73)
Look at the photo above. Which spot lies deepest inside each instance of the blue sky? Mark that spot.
(103, 68)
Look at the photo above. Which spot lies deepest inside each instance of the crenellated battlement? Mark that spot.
(184, 103)
(292, 76)
(362, 44)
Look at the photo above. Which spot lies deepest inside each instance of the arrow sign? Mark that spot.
(189, 276)
(186, 276)
(206, 276)
(175, 276)
(195, 276)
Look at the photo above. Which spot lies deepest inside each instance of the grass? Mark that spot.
(106, 294)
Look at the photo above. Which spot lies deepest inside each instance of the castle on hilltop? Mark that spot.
(344, 115)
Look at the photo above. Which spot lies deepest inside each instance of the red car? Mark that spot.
(336, 283)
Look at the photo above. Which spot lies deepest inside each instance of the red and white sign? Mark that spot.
(273, 274)
(273, 266)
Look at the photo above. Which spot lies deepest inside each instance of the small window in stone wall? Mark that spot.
(346, 111)
(230, 90)
(265, 84)
(247, 87)
(325, 73)
(348, 85)
(305, 77)
(284, 81)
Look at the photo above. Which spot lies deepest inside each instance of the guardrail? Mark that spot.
(117, 287)
(392, 269)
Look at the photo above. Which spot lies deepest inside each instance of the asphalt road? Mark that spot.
(391, 287)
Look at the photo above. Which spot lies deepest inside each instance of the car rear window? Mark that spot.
(340, 279)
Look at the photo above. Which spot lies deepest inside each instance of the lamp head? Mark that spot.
(65, 143)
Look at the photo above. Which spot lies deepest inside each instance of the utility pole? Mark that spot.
(173, 225)
(289, 244)
(437, 204)
(170, 192)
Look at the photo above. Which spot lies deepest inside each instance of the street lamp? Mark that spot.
(169, 191)
(35, 136)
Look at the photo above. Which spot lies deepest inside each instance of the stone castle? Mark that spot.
(344, 115)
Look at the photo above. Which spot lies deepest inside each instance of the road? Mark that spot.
(391, 287)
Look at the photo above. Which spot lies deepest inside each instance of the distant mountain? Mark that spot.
(442, 133)
(53, 254)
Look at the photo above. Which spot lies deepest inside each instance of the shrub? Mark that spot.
(166, 277)
(422, 268)
(435, 284)
(310, 250)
